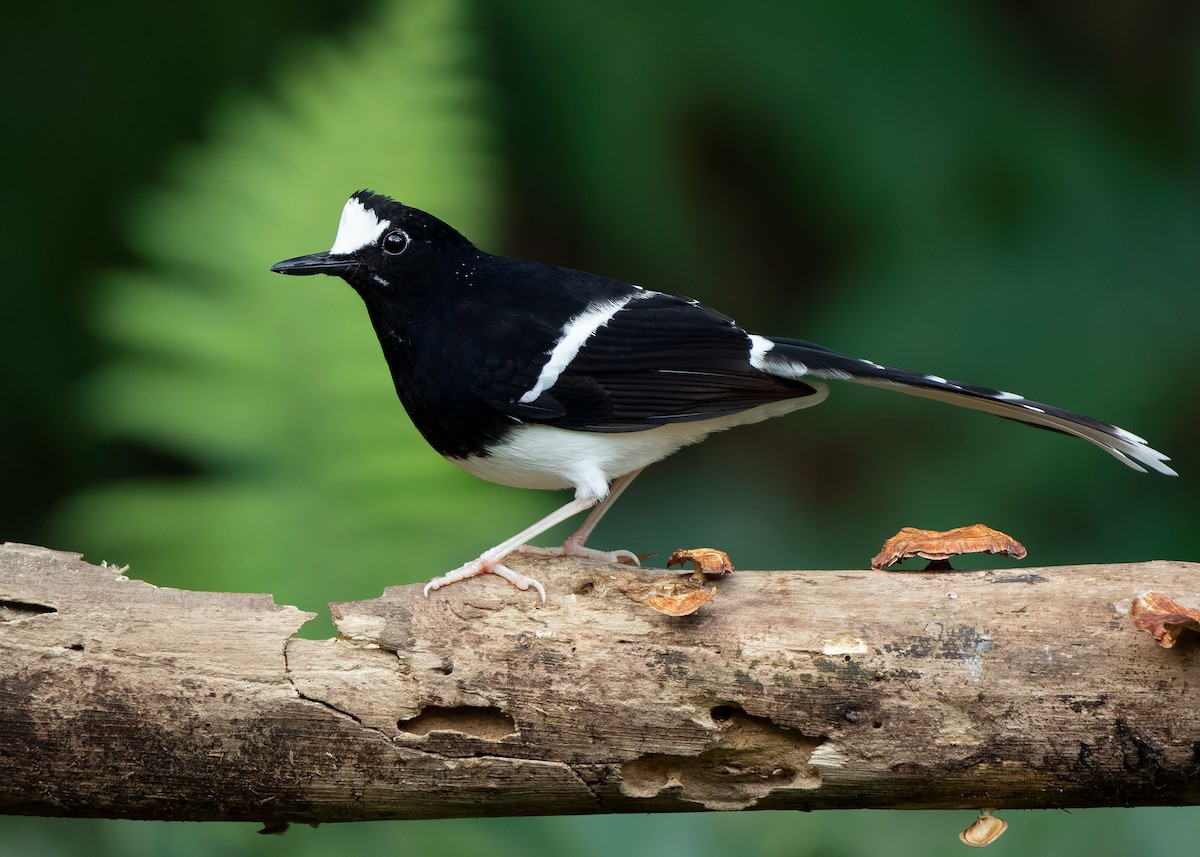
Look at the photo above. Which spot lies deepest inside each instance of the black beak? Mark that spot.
(316, 263)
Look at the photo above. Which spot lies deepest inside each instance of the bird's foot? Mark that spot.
(486, 566)
(618, 557)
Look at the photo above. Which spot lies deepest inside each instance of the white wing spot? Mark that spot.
(760, 347)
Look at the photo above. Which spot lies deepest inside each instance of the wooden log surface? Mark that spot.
(1021, 687)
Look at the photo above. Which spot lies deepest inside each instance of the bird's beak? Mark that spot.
(316, 263)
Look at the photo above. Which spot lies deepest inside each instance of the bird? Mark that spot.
(543, 377)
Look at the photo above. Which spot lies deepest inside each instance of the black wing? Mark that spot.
(660, 359)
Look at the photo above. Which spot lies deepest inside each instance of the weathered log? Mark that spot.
(801, 690)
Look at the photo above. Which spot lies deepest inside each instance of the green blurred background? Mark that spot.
(1000, 192)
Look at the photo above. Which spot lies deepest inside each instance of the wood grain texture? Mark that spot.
(789, 690)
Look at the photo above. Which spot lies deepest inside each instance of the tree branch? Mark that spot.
(797, 690)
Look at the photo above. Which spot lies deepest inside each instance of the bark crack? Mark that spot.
(325, 704)
(593, 788)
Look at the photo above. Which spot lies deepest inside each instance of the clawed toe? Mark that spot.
(521, 581)
(624, 557)
(619, 557)
(483, 566)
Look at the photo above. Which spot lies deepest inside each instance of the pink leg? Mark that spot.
(490, 561)
(574, 545)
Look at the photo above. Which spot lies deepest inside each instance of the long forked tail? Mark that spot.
(794, 358)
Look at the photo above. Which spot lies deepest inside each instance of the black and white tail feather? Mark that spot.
(795, 359)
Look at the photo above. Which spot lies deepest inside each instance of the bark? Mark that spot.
(788, 690)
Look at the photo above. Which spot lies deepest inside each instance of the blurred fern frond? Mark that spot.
(274, 389)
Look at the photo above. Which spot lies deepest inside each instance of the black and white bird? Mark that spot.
(538, 376)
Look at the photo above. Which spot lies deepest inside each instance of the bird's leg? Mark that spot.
(489, 561)
(574, 545)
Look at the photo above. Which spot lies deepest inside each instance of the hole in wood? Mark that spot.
(587, 587)
(722, 713)
(15, 611)
(751, 758)
(490, 724)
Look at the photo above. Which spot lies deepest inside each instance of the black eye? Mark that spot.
(395, 242)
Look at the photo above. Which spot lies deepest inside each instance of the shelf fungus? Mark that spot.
(1163, 618)
(669, 594)
(938, 546)
(703, 560)
(679, 600)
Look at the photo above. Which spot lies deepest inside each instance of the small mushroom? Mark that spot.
(703, 560)
(938, 546)
(1163, 618)
(680, 603)
(669, 594)
(985, 830)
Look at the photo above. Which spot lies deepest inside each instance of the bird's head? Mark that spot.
(381, 244)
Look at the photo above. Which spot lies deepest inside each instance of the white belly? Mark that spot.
(538, 456)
